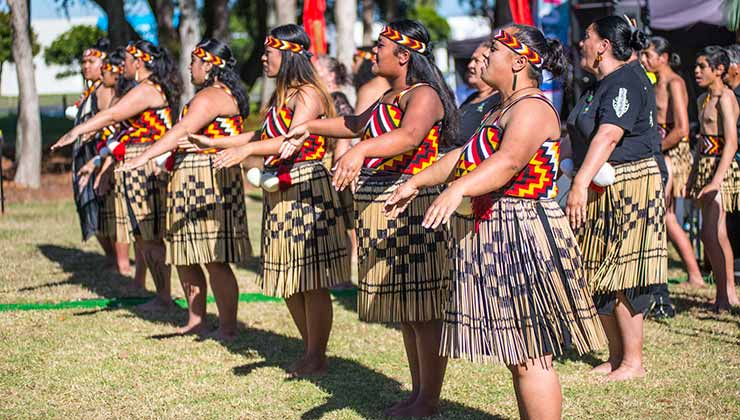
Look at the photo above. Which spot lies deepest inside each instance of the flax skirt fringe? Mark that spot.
(107, 213)
(140, 197)
(518, 290)
(403, 267)
(702, 174)
(206, 213)
(304, 239)
(680, 161)
(623, 238)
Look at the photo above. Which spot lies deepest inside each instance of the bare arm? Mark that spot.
(679, 109)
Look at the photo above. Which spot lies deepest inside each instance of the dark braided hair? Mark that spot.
(421, 68)
(227, 74)
(116, 58)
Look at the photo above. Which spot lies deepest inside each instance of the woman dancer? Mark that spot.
(621, 222)
(715, 178)
(403, 271)
(206, 212)
(671, 100)
(304, 249)
(518, 293)
(147, 110)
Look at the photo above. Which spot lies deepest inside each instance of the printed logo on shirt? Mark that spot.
(620, 103)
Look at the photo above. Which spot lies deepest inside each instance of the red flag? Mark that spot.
(521, 12)
(315, 24)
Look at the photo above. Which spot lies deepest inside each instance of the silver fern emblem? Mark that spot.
(620, 103)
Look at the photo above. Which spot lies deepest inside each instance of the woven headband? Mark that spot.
(209, 58)
(281, 45)
(137, 53)
(93, 52)
(518, 47)
(112, 68)
(404, 40)
(367, 55)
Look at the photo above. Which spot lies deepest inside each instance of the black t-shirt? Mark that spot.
(626, 99)
(471, 115)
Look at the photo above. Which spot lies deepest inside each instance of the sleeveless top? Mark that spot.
(220, 126)
(386, 118)
(535, 181)
(151, 124)
(277, 123)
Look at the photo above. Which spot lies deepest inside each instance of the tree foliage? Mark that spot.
(67, 49)
(6, 39)
(439, 29)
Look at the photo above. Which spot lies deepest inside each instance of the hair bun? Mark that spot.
(638, 40)
(553, 58)
(674, 60)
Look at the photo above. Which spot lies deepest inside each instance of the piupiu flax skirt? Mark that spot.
(623, 239)
(681, 161)
(206, 213)
(107, 211)
(304, 239)
(702, 174)
(518, 290)
(140, 197)
(403, 267)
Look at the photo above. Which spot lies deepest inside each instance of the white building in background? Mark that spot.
(47, 30)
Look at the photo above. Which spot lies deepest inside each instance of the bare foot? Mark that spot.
(224, 335)
(724, 305)
(198, 328)
(157, 305)
(695, 282)
(401, 404)
(606, 367)
(312, 367)
(295, 366)
(625, 373)
(417, 410)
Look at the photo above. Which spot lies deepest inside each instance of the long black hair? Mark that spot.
(623, 37)
(662, 46)
(551, 50)
(227, 74)
(116, 58)
(716, 56)
(364, 73)
(421, 68)
(296, 69)
(164, 72)
(103, 45)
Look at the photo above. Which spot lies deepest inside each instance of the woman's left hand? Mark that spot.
(575, 209)
(348, 167)
(443, 207)
(65, 140)
(231, 157)
(134, 163)
(709, 191)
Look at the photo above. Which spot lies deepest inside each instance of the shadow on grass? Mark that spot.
(349, 384)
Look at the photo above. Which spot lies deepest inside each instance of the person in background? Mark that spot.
(479, 103)
(369, 86)
(715, 178)
(732, 79)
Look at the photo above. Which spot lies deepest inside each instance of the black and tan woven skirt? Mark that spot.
(518, 290)
(140, 198)
(304, 239)
(623, 239)
(702, 174)
(107, 213)
(680, 160)
(403, 267)
(206, 213)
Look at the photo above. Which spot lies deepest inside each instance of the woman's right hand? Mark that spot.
(231, 157)
(298, 134)
(199, 142)
(67, 139)
(400, 199)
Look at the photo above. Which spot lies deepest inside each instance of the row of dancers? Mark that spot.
(459, 241)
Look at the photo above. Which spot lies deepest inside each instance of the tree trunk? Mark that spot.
(273, 13)
(252, 67)
(28, 168)
(164, 12)
(217, 19)
(118, 28)
(368, 12)
(285, 11)
(391, 9)
(189, 37)
(345, 14)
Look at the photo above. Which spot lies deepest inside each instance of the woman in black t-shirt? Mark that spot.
(620, 222)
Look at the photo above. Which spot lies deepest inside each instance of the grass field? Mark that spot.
(122, 363)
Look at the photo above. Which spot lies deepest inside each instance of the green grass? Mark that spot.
(121, 363)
